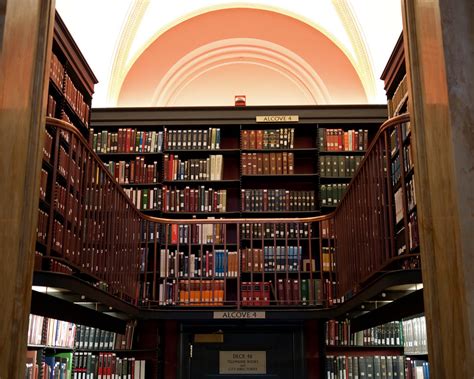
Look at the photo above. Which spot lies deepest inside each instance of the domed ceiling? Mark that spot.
(204, 52)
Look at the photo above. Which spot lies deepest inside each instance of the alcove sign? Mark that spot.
(242, 362)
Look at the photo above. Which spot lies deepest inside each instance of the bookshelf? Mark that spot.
(222, 163)
(64, 349)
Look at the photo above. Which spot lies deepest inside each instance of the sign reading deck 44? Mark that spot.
(242, 362)
(239, 315)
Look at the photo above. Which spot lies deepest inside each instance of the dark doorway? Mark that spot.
(241, 350)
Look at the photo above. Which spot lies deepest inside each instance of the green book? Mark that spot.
(67, 359)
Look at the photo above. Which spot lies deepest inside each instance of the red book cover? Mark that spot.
(296, 292)
(259, 139)
(281, 292)
(288, 291)
(245, 139)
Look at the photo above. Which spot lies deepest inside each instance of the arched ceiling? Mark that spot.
(151, 53)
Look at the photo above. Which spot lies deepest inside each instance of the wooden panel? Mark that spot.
(438, 47)
(24, 66)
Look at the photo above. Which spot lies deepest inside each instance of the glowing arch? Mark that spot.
(244, 51)
(289, 50)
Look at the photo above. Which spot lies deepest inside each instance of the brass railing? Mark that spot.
(154, 262)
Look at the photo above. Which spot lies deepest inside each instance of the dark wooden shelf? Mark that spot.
(363, 347)
(294, 150)
(281, 213)
(141, 184)
(328, 179)
(344, 152)
(204, 244)
(196, 182)
(203, 151)
(129, 154)
(278, 176)
(117, 351)
(63, 295)
(46, 347)
(211, 214)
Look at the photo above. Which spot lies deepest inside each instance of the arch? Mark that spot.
(278, 42)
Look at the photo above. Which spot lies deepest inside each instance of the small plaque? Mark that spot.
(242, 362)
(239, 315)
(282, 118)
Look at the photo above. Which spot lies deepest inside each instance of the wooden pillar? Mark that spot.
(26, 34)
(439, 40)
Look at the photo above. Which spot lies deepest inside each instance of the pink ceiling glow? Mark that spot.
(270, 57)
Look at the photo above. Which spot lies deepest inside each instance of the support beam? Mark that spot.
(24, 69)
(438, 42)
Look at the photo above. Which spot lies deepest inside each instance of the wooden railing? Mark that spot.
(158, 262)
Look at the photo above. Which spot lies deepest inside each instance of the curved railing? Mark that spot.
(237, 262)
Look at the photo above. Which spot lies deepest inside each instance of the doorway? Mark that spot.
(242, 350)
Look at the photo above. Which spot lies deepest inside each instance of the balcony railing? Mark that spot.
(94, 230)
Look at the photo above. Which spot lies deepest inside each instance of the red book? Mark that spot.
(296, 292)
(281, 292)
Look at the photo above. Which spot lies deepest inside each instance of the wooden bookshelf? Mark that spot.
(188, 140)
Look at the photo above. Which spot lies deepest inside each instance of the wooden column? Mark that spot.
(439, 40)
(24, 68)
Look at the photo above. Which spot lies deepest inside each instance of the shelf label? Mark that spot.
(283, 118)
(242, 362)
(237, 315)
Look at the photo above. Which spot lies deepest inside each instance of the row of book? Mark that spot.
(127, 140)
(413, 234)
(42, 226)
(411, 194)
(275, 230)
(107, 365)
(50, 332)
(396, 170)
(63, 162)
(192, 139)
(271, 259)
(414, 332)
(268, 163)
(56, 366)
(76, 100)
(90, 338)
(193, 169)
(400, 92)
(338, 333)
(217, 263)
(378, 366)
(327, 256)
(58, 233)
(194, 200)
(399, 205)
(195, 233)
(43, 183)
(255, 293)
(51, 107)
(145, 198)
(56, 71)
(398, 136)
(340, 140)
(331, 194)
(135, 171)
(287, 292)
(56, 266)
(47, 146)
(282, 138)
(192, 293)
(277, 200)
(336, 166)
